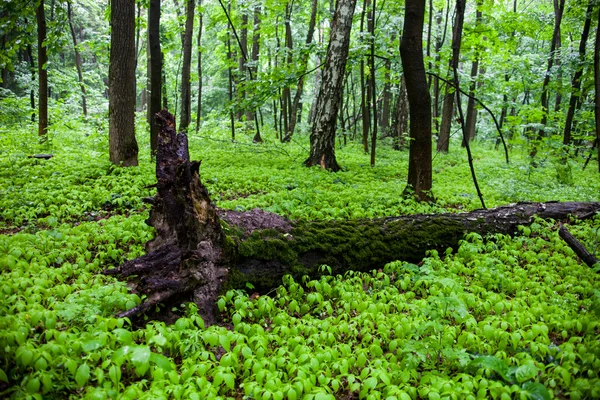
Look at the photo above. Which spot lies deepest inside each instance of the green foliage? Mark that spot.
(501, 318)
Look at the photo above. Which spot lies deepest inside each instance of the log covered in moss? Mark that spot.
(263, 255)
(199, 252)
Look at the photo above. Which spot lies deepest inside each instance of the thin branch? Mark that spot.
(482, 105)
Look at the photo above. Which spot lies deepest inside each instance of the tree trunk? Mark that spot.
(251, 113)
(401, 116)
(243, 43)
(576, 82)
(123, 148)
(471, 119)
(544, 97)
(322, 137)
(371, 26)
(186, 69)
(42, 72)
(296, 107)
(200, 51)
(597, 89)
(155, 72)
(448, 108)
(77, 58)
(364, 89)
(419, 101)
(199, 252)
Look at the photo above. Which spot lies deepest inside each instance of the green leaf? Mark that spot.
(490, 362)
(82, 375)
(536, 391)
(140, 357)
(161, 361)
(3, 376)
(33, 386)
(526, 372)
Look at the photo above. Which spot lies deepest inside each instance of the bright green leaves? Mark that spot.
(82, 375)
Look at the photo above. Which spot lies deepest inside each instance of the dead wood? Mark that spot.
(577, 247)
(199, 252)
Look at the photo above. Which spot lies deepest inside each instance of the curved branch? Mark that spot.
(482, 105)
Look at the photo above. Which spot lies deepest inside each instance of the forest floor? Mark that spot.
(500, 317)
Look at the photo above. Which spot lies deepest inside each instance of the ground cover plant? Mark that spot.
(502, 317)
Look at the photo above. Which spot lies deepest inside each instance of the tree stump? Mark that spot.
(199, 252)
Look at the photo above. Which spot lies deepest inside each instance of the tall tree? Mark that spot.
(371, 27)
(447, 110)
(576, 82)
(296, 108)
(544, 97)
(42, 72)
(123, 148)
(77, 58)
(419, 101)
(155, 72)
(471, 122)
(200, 51)
(322, 137)
(186, 85)
(597, 88)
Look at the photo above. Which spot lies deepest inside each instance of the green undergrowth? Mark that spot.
(80, 184)
(501, 318)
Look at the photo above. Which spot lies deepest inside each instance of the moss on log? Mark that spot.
(263, 256)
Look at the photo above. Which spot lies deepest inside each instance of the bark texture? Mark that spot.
(121, 108)
(322, 137)
(199, 252)
(42, 72)
(419, 101)
(154, 70)
(186, 69)
(184, 256)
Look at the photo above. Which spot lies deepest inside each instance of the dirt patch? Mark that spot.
(255, 219)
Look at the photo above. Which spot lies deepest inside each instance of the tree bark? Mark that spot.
(42, 72)
(419, 101)
(322, 137)
(544, 97)
(155, 73)
(448, 108)
(200, 51)
(471, 119)
(576, 82)
(597, 89)
(123, 147)
(186, 69)
(77, 59)
(199, 252)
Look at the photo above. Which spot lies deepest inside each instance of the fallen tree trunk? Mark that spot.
(198, 252)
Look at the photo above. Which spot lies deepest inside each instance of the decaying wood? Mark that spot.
(577, 247)
(41, 156)
(199, 251)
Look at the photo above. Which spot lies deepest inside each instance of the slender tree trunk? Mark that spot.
(471, 122)
(33, 73)
(400, 116)
(364, 88)
(296, 107)
(576, 82)
(439, 42)
(155, 72)
(121, 108)
(444, 135)
(200, 51)
(384, 118)
(557, 55)
(597, 89)
(251, 114)
(544, 97)
(230, 76)
(241, 92)
(186, 84)
(322, 137)
(419, 101)
(371, 26)
(42, 72)
(77, 58)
